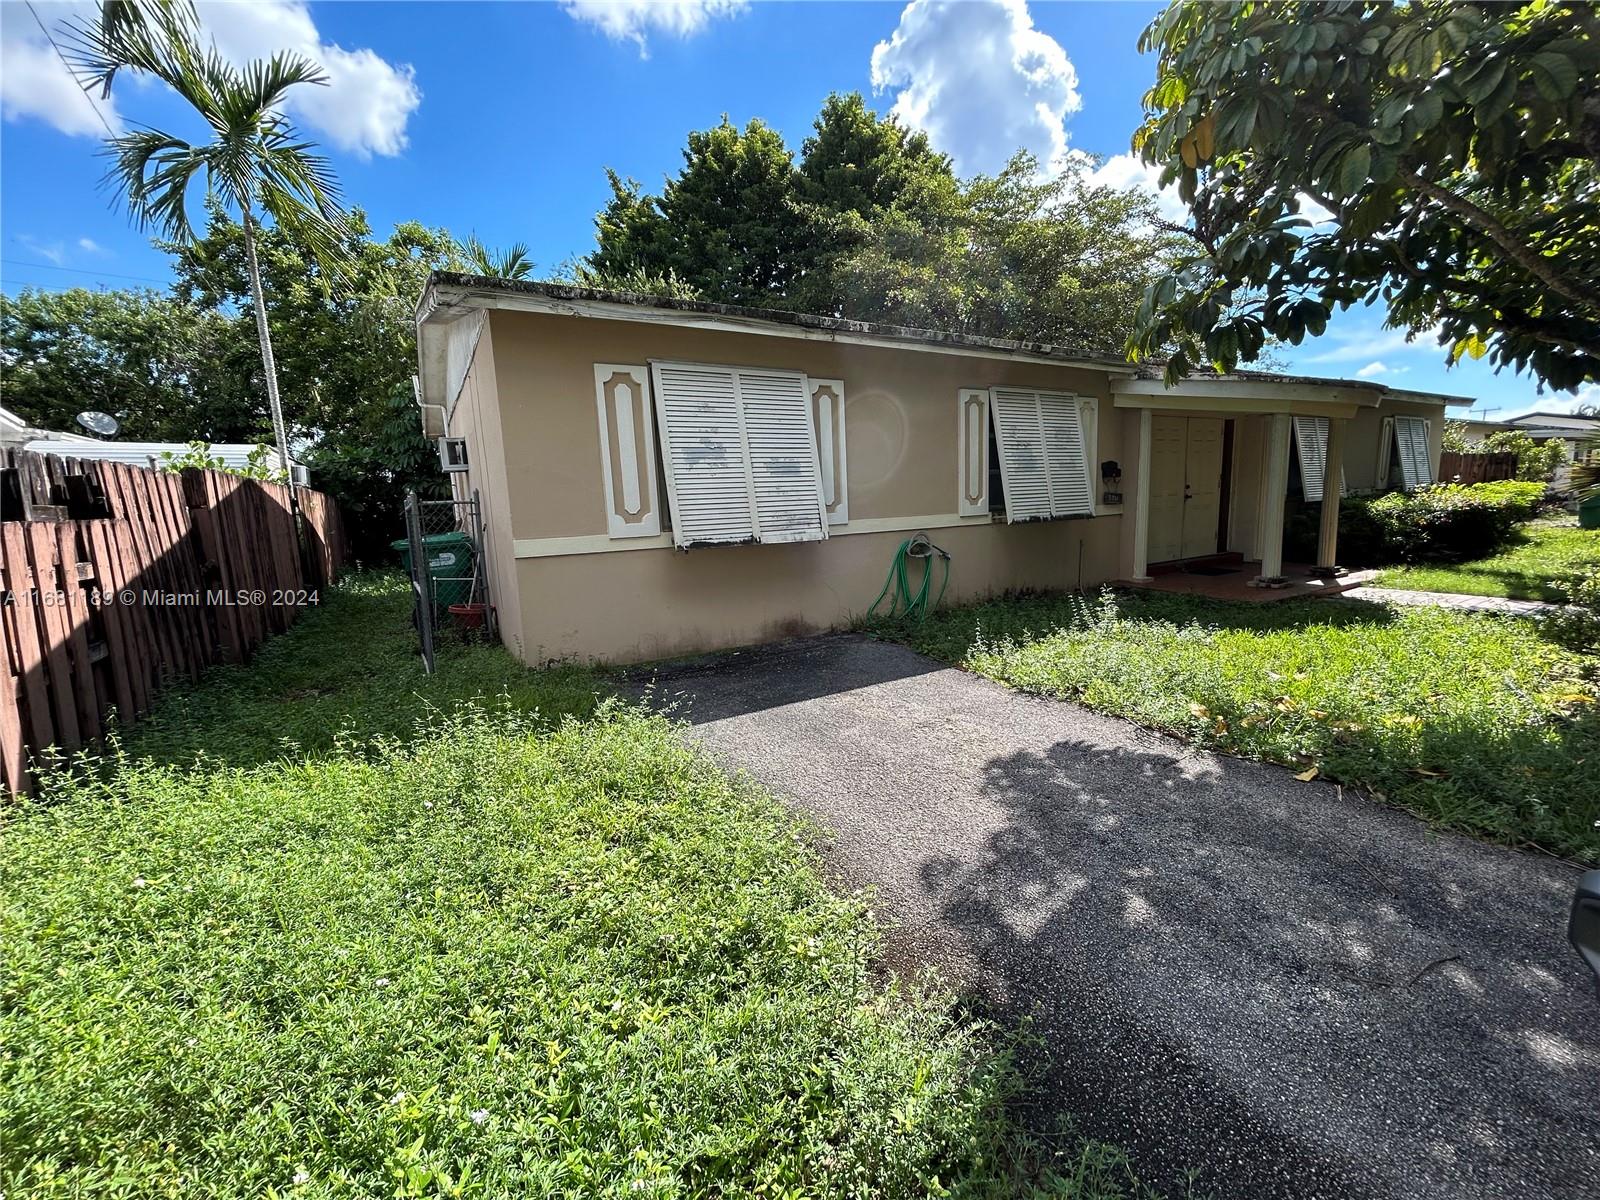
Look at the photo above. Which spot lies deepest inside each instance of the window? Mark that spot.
(1411, 451)
(740, 452)
(1311, 453)
(1045, 450)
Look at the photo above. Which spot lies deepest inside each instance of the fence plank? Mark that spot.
(69, 662)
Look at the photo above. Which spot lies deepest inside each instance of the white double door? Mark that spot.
(1185, 486)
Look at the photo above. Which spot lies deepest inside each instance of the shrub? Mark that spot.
(1536, 461)
(1442, 523)
(1578, 625)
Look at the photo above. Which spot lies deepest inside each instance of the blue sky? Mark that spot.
(500, 119)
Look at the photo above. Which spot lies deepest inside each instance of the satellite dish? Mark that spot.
(100, 423)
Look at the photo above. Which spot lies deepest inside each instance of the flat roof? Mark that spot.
(450, 295)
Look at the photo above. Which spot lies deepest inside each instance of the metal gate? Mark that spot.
(433, 590)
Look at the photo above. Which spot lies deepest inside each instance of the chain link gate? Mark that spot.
(445, 553)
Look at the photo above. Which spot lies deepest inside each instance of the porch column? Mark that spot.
(1332, 473)
(1141, 503)
(1275, 490)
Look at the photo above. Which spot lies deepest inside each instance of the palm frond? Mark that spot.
(512, 263)
(154, 170)
(158, 37)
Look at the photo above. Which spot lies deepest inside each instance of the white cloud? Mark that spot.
(367, 101)
(980, 80)
(54, 252)
(1128, 171)
(632, 20)
(363, 108)
(34, 83)
(1350, 344)
(90, 246)
(1586, 399)
(1375, 368)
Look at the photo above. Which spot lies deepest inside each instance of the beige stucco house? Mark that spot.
(662, 477)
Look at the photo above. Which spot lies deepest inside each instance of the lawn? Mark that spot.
(1549, 557)
(1472, 721)
(326, 928)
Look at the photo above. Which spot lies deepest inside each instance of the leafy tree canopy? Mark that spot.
(1456, 147)
(872, 223)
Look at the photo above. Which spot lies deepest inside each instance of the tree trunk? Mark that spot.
(269, 364)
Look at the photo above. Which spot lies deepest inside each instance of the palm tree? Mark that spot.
(502, 264)
(255, 162)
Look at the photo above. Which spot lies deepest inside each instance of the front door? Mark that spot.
(1185, 486)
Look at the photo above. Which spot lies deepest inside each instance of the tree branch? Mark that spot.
(1525, 256)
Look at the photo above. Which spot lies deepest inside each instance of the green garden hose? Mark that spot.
(904, 602)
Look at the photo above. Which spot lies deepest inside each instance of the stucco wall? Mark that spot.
(901, 453)
(476, 417)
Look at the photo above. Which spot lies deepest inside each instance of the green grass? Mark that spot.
(1472, 721)
(489, 949)
(1548, 559)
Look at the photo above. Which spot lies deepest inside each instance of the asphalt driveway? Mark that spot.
(1287, 990)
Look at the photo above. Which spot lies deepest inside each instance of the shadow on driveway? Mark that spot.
(1287, 990)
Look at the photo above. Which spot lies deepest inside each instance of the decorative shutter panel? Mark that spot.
(827, 404)
(1311, 444)
(1022, 460)
(1411, 439)
(1066, 460)
(785, 476)
(702, 449)
(1043, 460)
(627, 450)
(972, 452)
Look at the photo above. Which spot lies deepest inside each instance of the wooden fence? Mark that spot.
(118, 579)
(1455, 467)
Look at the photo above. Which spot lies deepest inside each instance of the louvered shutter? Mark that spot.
(1311, 445)
(1043, 459)
(702, 449)
(1066, 460)
(1411, 442)
(740, 455)
(1022, 460)
(785, 473)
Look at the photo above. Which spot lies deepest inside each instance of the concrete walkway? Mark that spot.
(1493, 604)
(1288, 990)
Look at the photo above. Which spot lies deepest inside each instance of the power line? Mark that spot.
(17, 262)
(44, 29)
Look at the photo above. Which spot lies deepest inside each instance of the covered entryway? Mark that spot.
(1186, 486)
(1208, 461)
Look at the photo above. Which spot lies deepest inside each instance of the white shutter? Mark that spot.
(1066, 457)
(1411, 441)
(784, 473)
(702, 449)
(1044, 463)
(1311, 445)
(972, 452)
(1022, 465)
(740, 454)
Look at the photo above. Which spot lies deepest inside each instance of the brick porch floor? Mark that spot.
(1235, 585)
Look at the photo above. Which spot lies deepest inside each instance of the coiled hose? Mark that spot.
(903, 602)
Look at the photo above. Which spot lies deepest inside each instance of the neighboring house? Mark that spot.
(15, 433)
(233, 455)
(1570, 429)
(664, 477)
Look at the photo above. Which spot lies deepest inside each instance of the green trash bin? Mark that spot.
(1589, 512)
(449, 566)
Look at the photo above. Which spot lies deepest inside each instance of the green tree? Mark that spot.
(166, 369)
(511, 263)
(728, 224)
(1015, 255)
(1537, 462)
(347, 354)
(255, 163)
(1456, 147)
